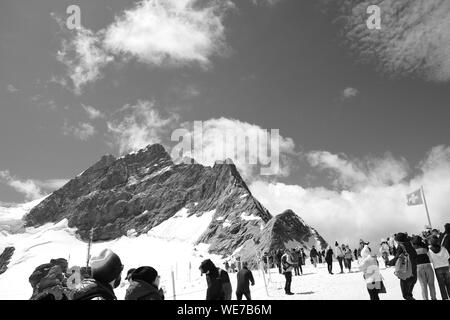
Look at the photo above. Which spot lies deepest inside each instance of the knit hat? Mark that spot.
(106, 267)
(401, 237)
(129, 273)
(417, 241)
(146, 274)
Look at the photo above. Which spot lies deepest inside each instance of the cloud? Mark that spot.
(84, 58)
(141, 125)
(162, 33)
(82, 131)
(414, 39)
(32, 189)
(92, 112)
(374, 206)
(224, 138)
(12, 89)
(266, 2)
(385, 170)
(349, 92)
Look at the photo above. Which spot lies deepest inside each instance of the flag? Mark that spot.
(414, 198)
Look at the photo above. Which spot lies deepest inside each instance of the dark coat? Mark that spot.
(313, 253)
(91, 289)
(214, 280)
(244, 278)
(141, 290)
(329, 256)
(445, 241)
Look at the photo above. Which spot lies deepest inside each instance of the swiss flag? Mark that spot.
(414, 198)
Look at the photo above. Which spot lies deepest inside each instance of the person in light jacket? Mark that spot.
(287, 266)
(371, 272)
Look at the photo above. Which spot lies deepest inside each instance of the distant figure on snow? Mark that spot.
(244, 278)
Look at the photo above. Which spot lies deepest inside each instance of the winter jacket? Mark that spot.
(296, 257)
(215, 289)
(91, 289)
(244, 278)
(141, 290)
(313, 253)
(226, 284)
(338, 252)
(370, 269)
(412, 256)
(439, 257)
(348, 254)
(287, 263)
(329, 256)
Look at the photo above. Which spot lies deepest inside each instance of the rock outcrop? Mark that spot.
(5, 257)
(139, 191)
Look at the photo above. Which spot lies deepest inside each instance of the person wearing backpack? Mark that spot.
(405, 262)
(106, 271)
(215, 290)
(425, 271)
(439, 256)
(287, 266)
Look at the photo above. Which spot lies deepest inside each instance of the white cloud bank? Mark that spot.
(164, 33)
(31, 189)
(373, 203)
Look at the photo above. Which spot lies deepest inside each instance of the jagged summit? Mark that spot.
(143, 189)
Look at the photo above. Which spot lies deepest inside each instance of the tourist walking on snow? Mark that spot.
(339, 255)
(296, 261)
(425, 271)
(371, 273)
(287, 266)
(439, 256)
(348, 258)
(405, 251)
(244, 279)
(313, 254)
(329, 259)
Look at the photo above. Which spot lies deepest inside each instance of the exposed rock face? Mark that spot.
(286, 230)
(5, 257)
(143, 189)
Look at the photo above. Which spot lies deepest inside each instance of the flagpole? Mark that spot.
(426, 207)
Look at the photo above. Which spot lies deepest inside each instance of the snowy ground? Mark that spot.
(169, 248)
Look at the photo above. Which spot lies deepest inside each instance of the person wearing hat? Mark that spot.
(404, 246)
(425, 272)
(144, 285)
(215, 289)
(106, 271)
(129, 272)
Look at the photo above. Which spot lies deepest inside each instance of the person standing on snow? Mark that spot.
(218, 281)
(371, 272)
(384, 251)
(439, 256)
(348, 258)
(329, 259)
(313, 254)
(339, 254)
(144, 285)
(425, 271)
(244, 278)
(405, 248)
(287, 266)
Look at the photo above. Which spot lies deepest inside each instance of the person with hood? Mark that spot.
(218, 281)
(371, 272)
(425, 272)
(106, 271)
(439, 256)
(339, 254)
(313, 254)
(144, 285)
(405, 247)
(445, 239)
(287, 266)
(329, 259)
(384, 251)
(244, 278)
